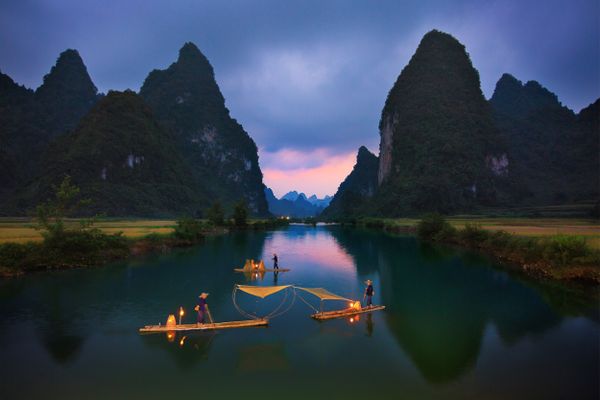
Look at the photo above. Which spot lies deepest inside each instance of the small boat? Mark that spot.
(262, 270)
(205, 327)
(353, 308)
(252, 267)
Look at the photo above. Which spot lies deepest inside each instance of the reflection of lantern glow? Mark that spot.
(351, 319)
(182, 341)
(170, 336)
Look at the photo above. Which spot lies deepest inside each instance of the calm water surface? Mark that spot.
(455, 327)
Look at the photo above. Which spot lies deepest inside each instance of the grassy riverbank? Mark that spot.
(25, 249)
(566, 255)
(564, 249)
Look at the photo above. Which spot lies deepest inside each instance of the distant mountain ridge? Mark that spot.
(294, 204)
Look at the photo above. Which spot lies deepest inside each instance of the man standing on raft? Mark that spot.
(201, 308)
(275, 261)
(369, 292)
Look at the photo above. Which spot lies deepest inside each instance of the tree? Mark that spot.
(240, 214)
(215, 214)
(51, 214)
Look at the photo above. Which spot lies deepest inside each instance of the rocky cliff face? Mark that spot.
(553, 154)
(188, 102)
(438, 141)
(355, 192)
(123, 160)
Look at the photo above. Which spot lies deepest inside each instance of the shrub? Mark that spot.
(215, 214)
(561, 249)
(240, 214)
(432, 225)
(473, 234)
(189, 229)
(447, 233)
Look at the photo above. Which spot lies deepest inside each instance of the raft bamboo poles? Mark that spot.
(348, 312)
(204, 327)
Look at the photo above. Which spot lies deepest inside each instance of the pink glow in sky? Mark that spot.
(313, 172)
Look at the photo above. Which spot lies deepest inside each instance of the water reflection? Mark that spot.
(186, 350)
(440, 301)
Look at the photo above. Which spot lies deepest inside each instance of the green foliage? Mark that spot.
(240, 214)
(189, 229)
(123, 160)
(553, 153)
(441, 130)
(64, 245)
(434, 226)
(51, 214)
(215, 214)
(563, 249)
(473, 234)
(270, 223)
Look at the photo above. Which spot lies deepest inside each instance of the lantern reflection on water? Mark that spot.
(171, 336)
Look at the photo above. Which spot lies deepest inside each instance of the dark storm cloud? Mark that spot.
(306, 75)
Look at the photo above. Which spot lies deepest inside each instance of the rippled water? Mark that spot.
(455, 326)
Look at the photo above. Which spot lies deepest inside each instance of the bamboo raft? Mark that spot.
(205, 327)
(262, 270)
(348, 312)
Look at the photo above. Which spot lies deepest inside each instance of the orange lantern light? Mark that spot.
(181, 314)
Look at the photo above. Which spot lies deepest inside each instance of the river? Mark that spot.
(456, 326)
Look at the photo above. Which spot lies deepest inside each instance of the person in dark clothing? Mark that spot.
(369, 292)
(201, 308)
(275, 261)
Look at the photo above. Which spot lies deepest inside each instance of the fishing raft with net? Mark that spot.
(354, 307)
(253, 320)
(262, 292)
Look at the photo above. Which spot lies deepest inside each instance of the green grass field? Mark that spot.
(533, 227)
(22, 230)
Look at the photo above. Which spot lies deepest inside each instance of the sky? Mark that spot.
(306, 79)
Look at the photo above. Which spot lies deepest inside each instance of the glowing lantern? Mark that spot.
(181, 314)
(354, 305)
(171, 321)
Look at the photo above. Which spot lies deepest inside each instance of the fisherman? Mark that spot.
(275, 261)
(369, 292)
(201, 308)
